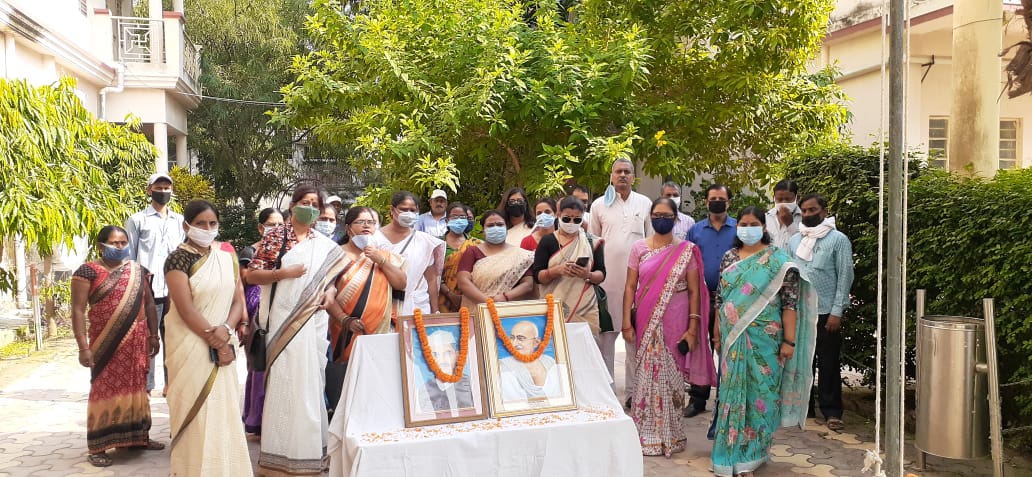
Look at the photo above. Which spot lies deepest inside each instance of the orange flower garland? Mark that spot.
(424, 343)
(525, 358)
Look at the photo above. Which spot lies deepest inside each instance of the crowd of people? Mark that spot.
(765, 290)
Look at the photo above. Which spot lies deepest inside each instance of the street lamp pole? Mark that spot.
(894, 259)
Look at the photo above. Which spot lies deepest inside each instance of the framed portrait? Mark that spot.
(528, 370)
(437, 388)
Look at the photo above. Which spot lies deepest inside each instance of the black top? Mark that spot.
(549, 245)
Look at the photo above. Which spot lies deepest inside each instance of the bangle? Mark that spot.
(627, 328)
(695, 315)
(506, 296)
(229, 327)
(790, 343)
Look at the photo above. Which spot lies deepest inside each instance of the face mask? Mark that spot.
(717, 207)
(161, 197)
(610, 196)
(304, 214)
(458, 226)
(545, 221)
(408, 219)
(677, 200)
(325, 227)
(200, 236)
(115, 254)
(791, 206)
(812, 220)
(361, 241)
(516, 210)
(569, 227)
(662, 226)
(469, 226)
(750, 235)
(496, 234)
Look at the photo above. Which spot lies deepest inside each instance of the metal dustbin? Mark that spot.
(952, 396)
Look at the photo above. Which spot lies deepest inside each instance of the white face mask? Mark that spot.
(325, 227)
(569, 227)
(361, 241)
(201, 237)
(408, 219)
(791, 206)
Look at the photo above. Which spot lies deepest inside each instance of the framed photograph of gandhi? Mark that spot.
(526, 360)
(442, 374)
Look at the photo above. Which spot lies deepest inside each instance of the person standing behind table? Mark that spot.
(154, 233)
(515, 208)
(544, 223)
(783, 220)
(122, 336)
(826, 258)
(495, 269)
(206, 303)
(684, 223)
(620, 217)
(584, 195)
(434, 221)
(714, 235)
(423, 254)
(457, 241)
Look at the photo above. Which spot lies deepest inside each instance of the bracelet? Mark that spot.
(229, 327)
(505, 295)
(628, 328)
(152, 337)
(790, 343)
(695, 315)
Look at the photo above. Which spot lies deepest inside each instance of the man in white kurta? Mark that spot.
(621, 222)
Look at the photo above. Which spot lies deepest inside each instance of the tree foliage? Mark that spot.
(191, 186)
(529, 94)
(64, 173)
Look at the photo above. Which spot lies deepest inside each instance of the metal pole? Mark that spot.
(37, 319)
(995, 421)
(894, 246)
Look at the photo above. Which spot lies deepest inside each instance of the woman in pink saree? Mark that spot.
(664, 278)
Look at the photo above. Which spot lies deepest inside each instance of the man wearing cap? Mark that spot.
(154, 233)
(433, 222)
(338, 207)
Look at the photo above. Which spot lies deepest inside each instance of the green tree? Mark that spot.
(191, 186)
(514, 93)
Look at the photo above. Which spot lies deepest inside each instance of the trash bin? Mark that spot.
(952, 397)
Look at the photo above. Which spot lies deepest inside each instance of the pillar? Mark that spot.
(974, 132)
(10, 47)
(157, 26)
(161, 142)
(182, 153)
(177, 6)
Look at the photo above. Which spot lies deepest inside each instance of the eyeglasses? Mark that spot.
(363, 223)
(516, 202)
(456, 217)
(664, 216)
(567, 219)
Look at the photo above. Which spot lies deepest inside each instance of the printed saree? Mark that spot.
(363, 291)
(498, 273)
(758, 393)
(578, 298)
(449, 277)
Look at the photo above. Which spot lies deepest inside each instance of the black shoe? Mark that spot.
(627, 404)
(692, 411)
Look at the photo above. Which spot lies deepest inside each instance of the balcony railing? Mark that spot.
(191, 60)
(138, 40)
(160, 43)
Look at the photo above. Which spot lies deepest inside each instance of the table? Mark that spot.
(368, 436)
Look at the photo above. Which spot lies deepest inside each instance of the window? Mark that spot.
(938, 137)
(1008, 143)
(938, 142)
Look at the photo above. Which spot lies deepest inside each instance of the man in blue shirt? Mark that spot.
(825, 257)
(433, 221)
(714, 235)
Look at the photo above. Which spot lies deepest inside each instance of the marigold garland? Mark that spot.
(549, 321)
(424, 343)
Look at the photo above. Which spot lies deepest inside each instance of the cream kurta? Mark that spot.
(421, 253)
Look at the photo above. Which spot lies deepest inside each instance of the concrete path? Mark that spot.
(43, 413)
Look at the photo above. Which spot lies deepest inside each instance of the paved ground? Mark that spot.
(43, 411)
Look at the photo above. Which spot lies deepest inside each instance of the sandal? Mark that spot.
(99, 460)
(836, 424)
(150, 445)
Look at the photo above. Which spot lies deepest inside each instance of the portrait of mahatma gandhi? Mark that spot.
(440, 395)
(536, 379)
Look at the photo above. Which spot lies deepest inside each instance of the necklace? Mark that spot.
(500, 332)
(424, 343)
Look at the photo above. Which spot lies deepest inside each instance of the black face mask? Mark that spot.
(812, 220)
(516, 210)
(161, 197)
(717, 206)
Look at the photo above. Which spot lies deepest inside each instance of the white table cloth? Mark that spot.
(368, 435)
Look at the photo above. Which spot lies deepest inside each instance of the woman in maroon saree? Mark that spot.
(664, 277)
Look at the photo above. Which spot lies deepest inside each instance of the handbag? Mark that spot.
(256, 349)
(605, 319)
(645, 291)
(335, 372)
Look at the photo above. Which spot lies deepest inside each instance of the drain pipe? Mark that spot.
(117, 88)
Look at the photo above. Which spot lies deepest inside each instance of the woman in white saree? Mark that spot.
(204, 394)
(295, 265)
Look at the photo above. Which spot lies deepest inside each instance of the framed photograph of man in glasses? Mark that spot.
(526, 360)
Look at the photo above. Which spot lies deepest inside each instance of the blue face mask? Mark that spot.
(750, 235)
(496, 234)
(662, 226)
(469, 226)
(115, 254)
(545, 221)
(458, 226)
(610, 196)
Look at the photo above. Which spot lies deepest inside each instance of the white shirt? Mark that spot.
(620, 225)
(779, 234)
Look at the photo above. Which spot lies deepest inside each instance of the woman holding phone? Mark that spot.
(568, 263)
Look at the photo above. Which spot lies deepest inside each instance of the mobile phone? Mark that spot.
(214, 355)
(582, 262)
(682, 347)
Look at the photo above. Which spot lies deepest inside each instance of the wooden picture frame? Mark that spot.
(428, 400)
(512, 387)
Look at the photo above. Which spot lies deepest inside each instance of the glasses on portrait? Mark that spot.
(567, 219)
(364, 223)
(522, 339)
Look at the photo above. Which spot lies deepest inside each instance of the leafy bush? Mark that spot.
(967, 241)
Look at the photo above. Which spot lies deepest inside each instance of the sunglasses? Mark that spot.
(567, 219)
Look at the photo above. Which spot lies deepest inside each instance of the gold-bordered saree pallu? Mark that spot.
(204, 400)
(118, 411)
(363, 291)
(294, 421)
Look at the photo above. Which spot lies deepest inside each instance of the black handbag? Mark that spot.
(335, 372)
(605, 319)
(256, 349)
